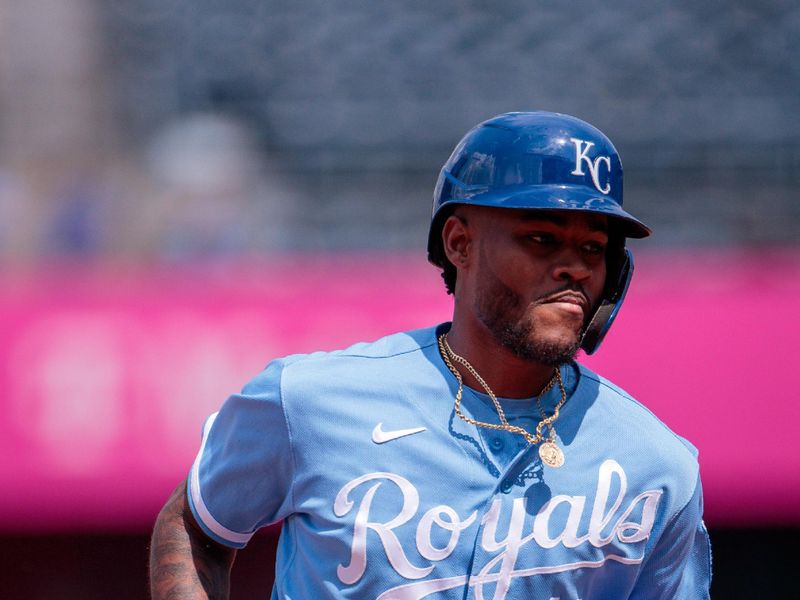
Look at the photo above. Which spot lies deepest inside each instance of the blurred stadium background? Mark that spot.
(188, 188)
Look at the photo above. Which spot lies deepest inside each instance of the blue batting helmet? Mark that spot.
(548, 161)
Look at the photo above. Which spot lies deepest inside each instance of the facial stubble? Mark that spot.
(503, 312)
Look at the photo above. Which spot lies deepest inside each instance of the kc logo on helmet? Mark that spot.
(582, 147)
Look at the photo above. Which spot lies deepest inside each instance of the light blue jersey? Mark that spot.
(385, 493)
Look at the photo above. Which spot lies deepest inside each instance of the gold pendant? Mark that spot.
(551, 454)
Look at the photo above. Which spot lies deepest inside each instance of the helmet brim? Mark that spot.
(564, 197)
(542, 197)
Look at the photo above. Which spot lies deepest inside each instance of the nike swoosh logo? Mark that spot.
(379, 436)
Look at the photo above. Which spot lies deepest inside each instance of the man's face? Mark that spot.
(536, 278)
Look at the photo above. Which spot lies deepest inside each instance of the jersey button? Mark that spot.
(496, 444)
(506, 486)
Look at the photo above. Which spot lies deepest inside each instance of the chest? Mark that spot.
(416, 503)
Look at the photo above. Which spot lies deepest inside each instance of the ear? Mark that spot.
(456, 240)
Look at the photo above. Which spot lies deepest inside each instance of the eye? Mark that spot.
(595, 248)
(541, 238)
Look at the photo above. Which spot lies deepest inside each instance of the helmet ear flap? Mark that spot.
(620, 271)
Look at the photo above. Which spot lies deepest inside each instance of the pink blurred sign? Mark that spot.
(108, 372)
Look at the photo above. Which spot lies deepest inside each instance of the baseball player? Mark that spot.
(473, 459)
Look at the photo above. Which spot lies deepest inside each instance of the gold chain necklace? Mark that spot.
(549, 451)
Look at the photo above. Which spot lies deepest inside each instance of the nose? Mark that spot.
(571, 266)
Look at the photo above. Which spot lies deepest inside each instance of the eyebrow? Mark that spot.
(593, 222)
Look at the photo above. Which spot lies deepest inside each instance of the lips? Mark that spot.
(569, 298)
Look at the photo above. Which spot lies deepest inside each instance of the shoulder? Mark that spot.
(353, 388)
(631, 412)
(393, 345)
(650, 450)
(393, 351)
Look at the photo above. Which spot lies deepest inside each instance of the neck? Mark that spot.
(508, 375)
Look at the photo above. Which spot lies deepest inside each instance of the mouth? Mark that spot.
(570, 301)
(569, 297)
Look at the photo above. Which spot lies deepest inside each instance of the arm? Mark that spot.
(240, 480)
(185, 564)
(679, 567)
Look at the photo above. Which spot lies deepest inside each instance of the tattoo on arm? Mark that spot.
(185, 564)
